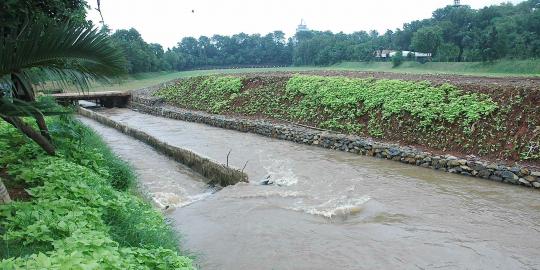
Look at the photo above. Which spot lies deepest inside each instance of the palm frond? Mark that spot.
(19, 108)
(65, 55)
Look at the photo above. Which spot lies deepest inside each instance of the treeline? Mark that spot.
(217, 51)
(453, 33)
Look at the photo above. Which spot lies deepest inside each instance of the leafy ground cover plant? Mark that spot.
(502, 123)
(82, 213)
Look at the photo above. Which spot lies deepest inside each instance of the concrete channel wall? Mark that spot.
(474, 167)
(216, 173)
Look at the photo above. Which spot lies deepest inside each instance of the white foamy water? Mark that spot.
(164, 200)
(336, 208)
(279, 174)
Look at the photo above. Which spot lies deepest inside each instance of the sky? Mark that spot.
(167, 21)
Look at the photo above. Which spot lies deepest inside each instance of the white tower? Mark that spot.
(302, 26)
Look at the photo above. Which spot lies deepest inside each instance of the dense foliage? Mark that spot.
(81, 214)
(337, 102)
(15, 14)
(344, 100)
(204, 52)
(213, 93)
(453, 33)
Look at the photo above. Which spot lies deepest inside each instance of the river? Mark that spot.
(328, 209)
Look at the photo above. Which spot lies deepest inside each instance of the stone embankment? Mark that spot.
(216, 173)
(474, 167)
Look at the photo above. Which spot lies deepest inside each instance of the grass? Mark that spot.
(502, 68)
(137, 81)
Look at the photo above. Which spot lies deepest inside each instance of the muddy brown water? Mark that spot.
(329, 209)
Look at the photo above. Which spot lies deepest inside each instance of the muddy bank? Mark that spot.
(218, 174)
(474, 167)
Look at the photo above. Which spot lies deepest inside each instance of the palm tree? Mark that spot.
(62, 55)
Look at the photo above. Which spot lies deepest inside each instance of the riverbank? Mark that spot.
(79, 208)
(254, 108)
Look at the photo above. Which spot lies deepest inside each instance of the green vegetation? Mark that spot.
(81, 213)
(213, 93)
(39, 43)
(494, 69)
(498, 68)
(344, 100)
(397, 60)
(339, 101)
(442, 117)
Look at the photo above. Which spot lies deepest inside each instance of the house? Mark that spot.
(387, 54)
(384, 54)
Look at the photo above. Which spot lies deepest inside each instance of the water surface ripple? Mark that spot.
(335, 210)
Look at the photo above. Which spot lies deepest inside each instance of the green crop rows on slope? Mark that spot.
(213, 93)
(333, 102)
(81, 214)
(344, 100)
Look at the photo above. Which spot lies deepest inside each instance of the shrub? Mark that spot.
(397, 59)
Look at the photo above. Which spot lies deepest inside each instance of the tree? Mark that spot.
(63, 55)
(14, 14)
(427, 40)
(448, 52)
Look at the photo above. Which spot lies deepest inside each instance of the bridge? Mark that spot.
(109, 99)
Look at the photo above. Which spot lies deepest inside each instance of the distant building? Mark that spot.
(302, 27)
(457, 3)
(387, 54)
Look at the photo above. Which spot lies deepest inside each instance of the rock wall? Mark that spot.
(217, 174)
(473, 167)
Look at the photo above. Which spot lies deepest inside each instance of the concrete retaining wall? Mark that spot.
(473, 167)
(218, 174)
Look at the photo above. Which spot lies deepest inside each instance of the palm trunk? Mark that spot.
(27, 93)
(43, 129)
(4, 195)
(32, 134)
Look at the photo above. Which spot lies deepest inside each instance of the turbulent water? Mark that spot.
(328, 209)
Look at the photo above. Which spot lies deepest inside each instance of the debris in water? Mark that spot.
(267, 181)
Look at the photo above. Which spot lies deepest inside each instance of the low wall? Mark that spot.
(473, 167)
(218, 174)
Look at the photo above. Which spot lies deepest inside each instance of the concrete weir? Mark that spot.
(216, 173)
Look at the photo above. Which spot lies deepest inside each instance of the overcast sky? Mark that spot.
(167, 21)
